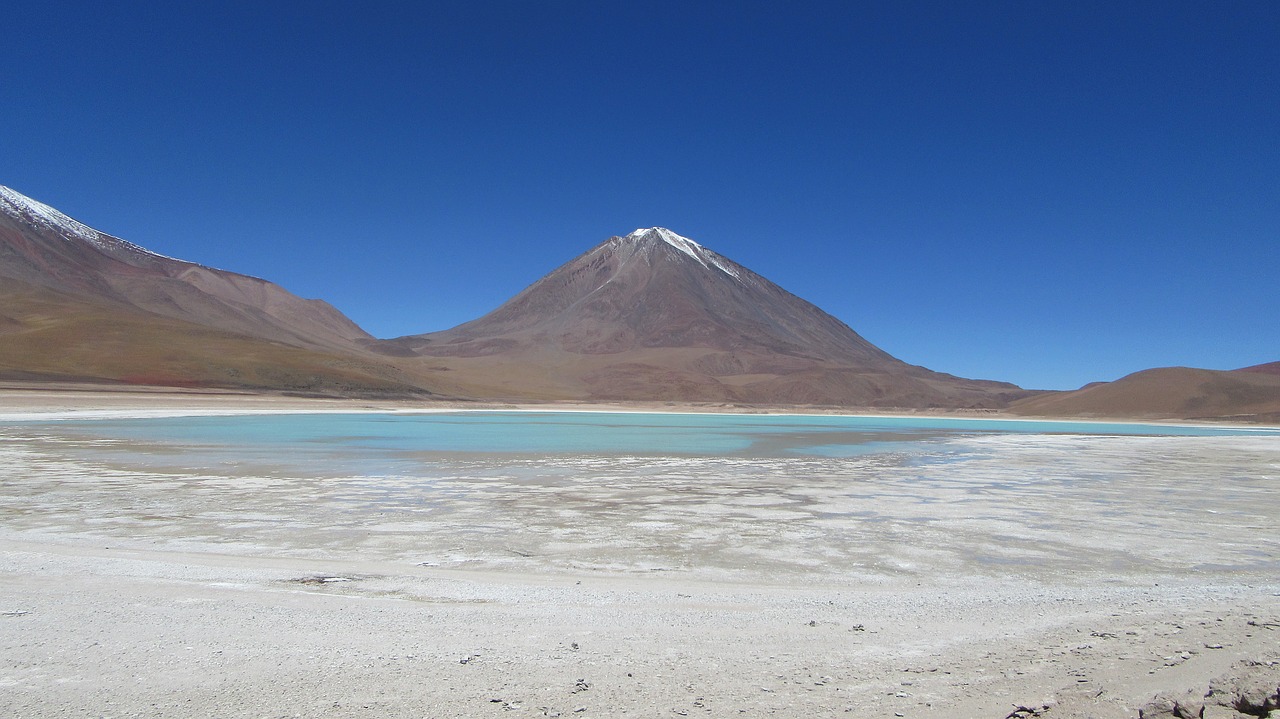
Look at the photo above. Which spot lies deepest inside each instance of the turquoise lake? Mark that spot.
(578, 433)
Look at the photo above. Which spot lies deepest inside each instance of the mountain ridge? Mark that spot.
(648, 316)
(81, 302)
(66, 255)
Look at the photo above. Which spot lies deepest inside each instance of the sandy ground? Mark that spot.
(1066, 576)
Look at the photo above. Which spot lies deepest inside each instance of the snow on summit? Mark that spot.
(702, 255)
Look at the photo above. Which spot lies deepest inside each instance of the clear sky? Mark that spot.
(1047, 193)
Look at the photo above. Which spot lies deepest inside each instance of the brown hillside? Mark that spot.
(52, 336)
(1269, 368)
(42, 247)
(1168, 393)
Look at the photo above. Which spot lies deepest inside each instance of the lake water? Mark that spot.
(586, 433)
(715, 496)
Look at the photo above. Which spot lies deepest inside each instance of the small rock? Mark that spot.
(1166, 707)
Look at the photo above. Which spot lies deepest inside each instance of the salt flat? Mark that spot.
(988, 572)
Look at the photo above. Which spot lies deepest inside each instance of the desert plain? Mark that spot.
(1028, 575)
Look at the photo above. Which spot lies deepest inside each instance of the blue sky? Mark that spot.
(1047, 193)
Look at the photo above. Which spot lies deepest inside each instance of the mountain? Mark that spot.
(1250, 394)
(651, 316)
(76, 303)
(654, 315)
(41, 246)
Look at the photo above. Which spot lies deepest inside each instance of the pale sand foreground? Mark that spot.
(1084, 573)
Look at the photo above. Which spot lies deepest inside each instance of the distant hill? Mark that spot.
(656, 316)
(1269, 368)
(1169, 393)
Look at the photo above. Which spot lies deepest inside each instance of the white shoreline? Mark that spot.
(75, 402)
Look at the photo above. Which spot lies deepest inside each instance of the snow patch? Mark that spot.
(38, 213)
(21, 207)
(702, 255)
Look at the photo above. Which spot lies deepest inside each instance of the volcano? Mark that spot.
(656, 316)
